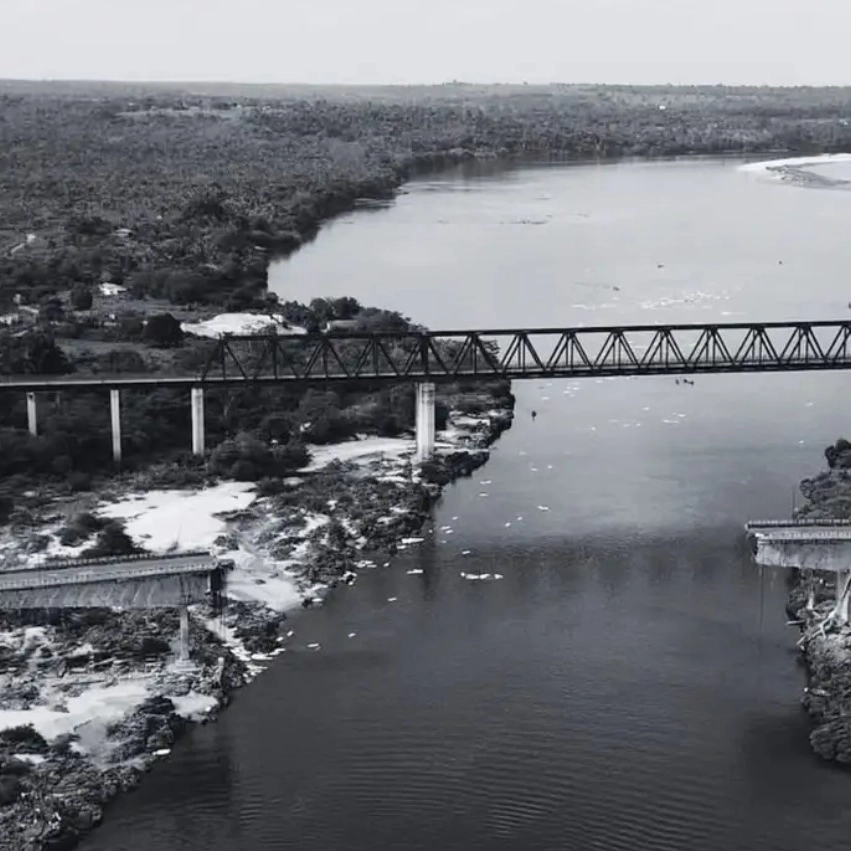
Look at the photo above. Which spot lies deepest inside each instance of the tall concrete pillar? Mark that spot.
(425, 421)
(197, 420)
(842, 600)
(115, 416)
(32, 415)
(184, 634)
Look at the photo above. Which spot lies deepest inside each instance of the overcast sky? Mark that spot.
(429, 41)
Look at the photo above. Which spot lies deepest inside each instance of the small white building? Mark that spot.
(112, 289)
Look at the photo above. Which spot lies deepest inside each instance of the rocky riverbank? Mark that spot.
(90, 699)
(825, 646)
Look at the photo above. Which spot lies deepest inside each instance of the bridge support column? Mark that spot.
(842, 600)
(115, 416)
(425, 421)
(183, 651)
(32, 414)
(197, 420)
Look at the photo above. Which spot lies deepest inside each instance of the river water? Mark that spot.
(630, 683)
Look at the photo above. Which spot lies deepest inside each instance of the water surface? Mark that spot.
(630, 683)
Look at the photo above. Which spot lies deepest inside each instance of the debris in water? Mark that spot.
(543, 508)
(392, 599)
(313, 646)
(486, 482)
(414, 571)
(482, 493)
(352, 634)
(507, 524)
(291, 633)
(465, 552)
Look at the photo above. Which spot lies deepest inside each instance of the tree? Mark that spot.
(81, 298)
(50, 309)
(163, 331)
(33, 353)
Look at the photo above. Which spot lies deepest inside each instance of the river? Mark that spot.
(630, 683)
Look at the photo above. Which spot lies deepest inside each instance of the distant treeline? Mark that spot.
(210, 186)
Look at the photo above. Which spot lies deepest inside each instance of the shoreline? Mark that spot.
(825, 648)
(797, 170)
(132, 702)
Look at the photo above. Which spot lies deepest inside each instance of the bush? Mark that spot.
(838, 455)
(24, 739)
(81, 298)
(79, 481)
(82, 526)
(112, 541)
(10, 789)
(163, 331)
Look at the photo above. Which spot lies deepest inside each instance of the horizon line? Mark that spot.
(441, 84)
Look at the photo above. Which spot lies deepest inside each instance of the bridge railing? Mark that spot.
(33, 578)
(500, 354)
(515, 353)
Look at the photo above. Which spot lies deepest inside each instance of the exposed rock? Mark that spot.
(827, 657)
(54, 799)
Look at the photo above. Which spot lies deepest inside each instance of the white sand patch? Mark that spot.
(359, 451)
(164, 520)
(240, 323)
(32, 758)
(768, 166)
(260, 580)
(104, 704)
(193, 706)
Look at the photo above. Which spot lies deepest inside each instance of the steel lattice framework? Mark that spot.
(498, 354)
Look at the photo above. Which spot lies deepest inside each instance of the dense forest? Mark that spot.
(181, 194)
(209, 185)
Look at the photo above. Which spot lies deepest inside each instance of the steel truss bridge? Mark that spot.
(448, 356)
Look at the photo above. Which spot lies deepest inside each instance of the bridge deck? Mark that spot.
(628, 350)
(51, 576)
(808, 544)
(761, 525)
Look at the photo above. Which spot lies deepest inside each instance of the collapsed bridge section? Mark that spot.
(142, 581)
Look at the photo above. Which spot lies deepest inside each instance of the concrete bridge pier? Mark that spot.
(183, 650)
(425, 421)
(32, 414)
(197, 420)
(115, 416)
(842, 599)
